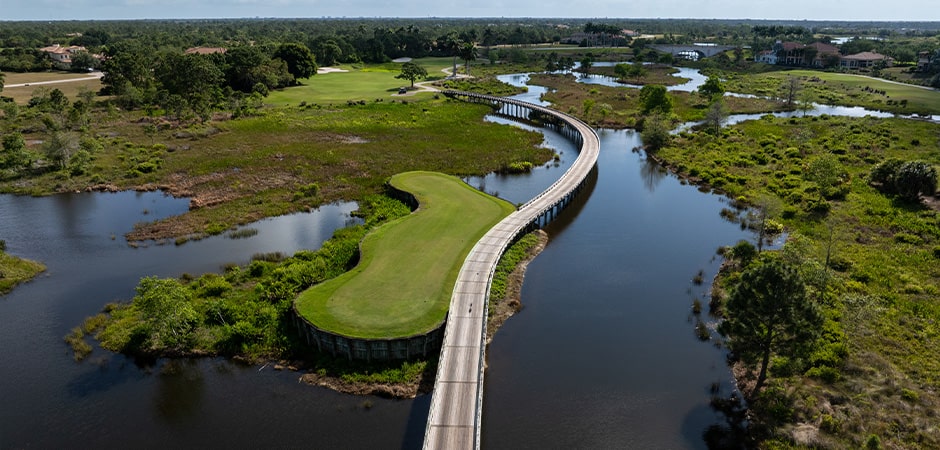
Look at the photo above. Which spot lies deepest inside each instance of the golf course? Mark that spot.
(407, 269)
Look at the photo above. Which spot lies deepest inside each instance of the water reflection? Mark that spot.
(179, 390)
(652, 173)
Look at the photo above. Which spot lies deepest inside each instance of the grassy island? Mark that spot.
(403, 283)
(14, 271)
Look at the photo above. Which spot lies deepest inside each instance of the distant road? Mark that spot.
(91, 76)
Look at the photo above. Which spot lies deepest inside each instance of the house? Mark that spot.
(205, 50)
(767, 57)
(864, 60)
(789, 53)
(824, 55)
(62, 55)
(923, 61)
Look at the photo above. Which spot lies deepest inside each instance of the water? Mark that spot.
(49, 401)
(602, 355)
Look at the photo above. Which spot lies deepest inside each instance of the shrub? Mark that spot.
(519, 167)
(907, 238)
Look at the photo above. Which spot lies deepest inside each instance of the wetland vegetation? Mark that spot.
(868, 256)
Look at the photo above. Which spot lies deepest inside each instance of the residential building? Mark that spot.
(62, 55)
(767, 57)
(823, 54)
(789, 53)
(865, 60)
(923, 61)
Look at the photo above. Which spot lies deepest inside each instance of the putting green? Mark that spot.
(403, 282)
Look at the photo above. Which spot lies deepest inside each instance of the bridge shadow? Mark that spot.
(570, 212)
(417, 422)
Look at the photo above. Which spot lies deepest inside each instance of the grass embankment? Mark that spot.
(22, 94)
(840, 89)
(619, 107)
(876, 371)
(359, 82)
(403, 282)
(14, 271)
(655, 74)
(286, 159)
(482, 85)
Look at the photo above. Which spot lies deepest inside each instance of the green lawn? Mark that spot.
(361, 82)
(403, 283)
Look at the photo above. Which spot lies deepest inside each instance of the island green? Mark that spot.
(403, 283)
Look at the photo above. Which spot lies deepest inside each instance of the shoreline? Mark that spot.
(501, 311)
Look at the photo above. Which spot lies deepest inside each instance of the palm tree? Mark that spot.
(468, 52)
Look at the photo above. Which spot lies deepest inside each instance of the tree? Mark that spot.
(2, 76)
(83, 62)
(411, 72)
(127, 66)
(716, 115)
(712, 88)
(829, 174)
(300, 62)
(635, 71)
(914, 178)
(655, 132)
(468, 52)
(768, 313)
(791, 87)
(194, 78)
(908, 179)
(765, 207)
(169, 317)
(586, 64)
(14, 155)
(59, 148)
(654, 97)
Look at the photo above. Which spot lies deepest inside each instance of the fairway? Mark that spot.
(403, 282)
(369, 82)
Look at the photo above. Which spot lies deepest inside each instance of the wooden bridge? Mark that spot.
(457, 400)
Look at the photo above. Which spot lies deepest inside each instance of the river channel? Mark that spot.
(603, 353)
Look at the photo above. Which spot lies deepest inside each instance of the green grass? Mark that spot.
(403, 283)
(619, 107)
(843, 89)
(885, 285)
(361, 82)
(263, 166)
(15, 270)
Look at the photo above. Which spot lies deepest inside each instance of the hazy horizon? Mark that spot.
(810, 10)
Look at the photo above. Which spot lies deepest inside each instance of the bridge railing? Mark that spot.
(487, 252)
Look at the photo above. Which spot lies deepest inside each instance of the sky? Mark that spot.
(853, 10)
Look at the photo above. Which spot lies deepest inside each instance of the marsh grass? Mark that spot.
(845, 89)
(14, 270)
(242, 233)
(876, 363)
